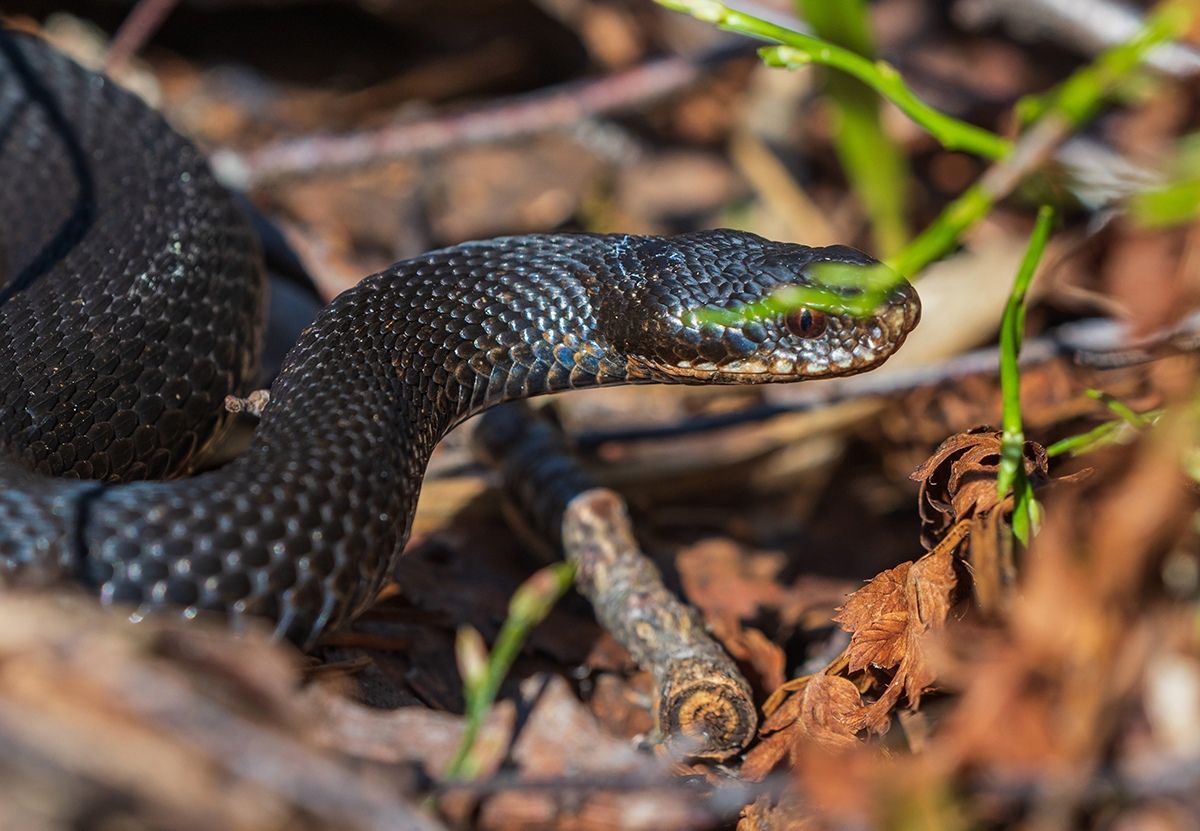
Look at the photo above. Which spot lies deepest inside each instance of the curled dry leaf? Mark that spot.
(828, 710)
(959, 480)
(958, 495)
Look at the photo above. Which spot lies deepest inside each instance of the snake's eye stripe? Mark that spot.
(805, 323)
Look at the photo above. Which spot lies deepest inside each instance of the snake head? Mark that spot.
(667, 329)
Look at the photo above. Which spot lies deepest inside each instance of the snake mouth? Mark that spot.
(749, 370)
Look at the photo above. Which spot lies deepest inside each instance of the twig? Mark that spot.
(137, 28)
(704, 706)
(553, 108)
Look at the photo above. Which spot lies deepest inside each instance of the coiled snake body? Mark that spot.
(130, 298)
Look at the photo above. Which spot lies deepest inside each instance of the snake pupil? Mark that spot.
(805, 323)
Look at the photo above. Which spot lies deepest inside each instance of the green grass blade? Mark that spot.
(1011, 475)
(483, 673)
(876, 168)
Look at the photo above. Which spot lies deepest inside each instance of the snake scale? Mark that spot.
(131, 298)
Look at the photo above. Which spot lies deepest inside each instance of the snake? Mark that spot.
(131, 305)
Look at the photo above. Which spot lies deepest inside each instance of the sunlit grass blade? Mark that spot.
(1011, 475)
(1067, 107)
(1103, 435)
(881, 77)
(876, 167)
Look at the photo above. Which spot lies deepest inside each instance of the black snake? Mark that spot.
(130, 306)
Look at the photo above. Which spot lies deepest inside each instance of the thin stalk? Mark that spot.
(482, 673)
(1118, 407)
(1068, 107)
(1110, 432)
(1011, 475)
(876, 167)
(878, 75)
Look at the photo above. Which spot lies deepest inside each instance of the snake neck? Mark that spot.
(517, 320)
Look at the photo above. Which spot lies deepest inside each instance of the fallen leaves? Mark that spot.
(1052, 699)
(826, 709)
(889, 617)
(125, 725)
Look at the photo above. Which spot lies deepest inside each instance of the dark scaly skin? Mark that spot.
(305, 527)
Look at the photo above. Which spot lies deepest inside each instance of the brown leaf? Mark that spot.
(880, 643)
(783, 694)
(947, 450)
(888, 617)
(765, 815)
(884, 593)
(959, 480)
(990, 554)
(877, 618)
(827, 710)
(930, 585)
(728, 581)
(789, 710)
(831, 711)
(754, 651)
(766, 755)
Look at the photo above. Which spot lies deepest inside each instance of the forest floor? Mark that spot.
(899, 659)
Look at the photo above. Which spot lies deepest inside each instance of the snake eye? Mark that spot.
(805, 323)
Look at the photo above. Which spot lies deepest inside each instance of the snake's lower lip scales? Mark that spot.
(119, 373)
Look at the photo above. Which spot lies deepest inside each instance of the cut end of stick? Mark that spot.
(705, 713)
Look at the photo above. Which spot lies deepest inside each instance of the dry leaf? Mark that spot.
(761, 658)
(959, 480)
(888, 617)
(877, 616)
(827, 710)
(832, 711)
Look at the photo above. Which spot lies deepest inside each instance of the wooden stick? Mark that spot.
(704, 706)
